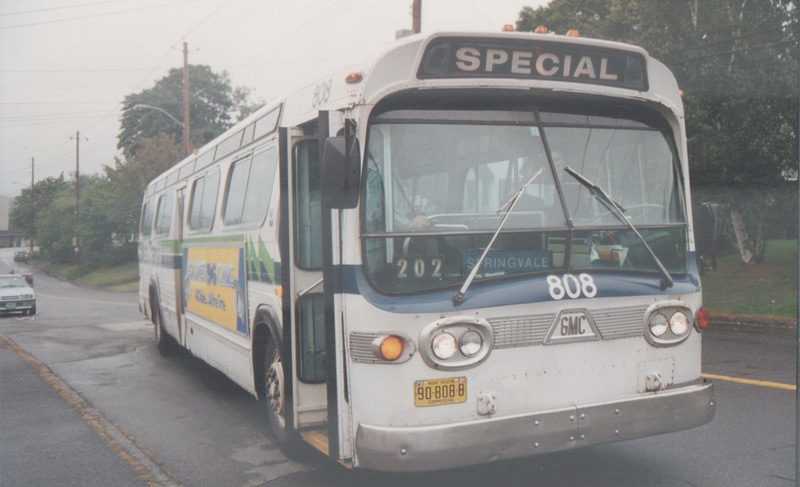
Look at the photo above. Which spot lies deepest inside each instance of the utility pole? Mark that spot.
(185, 99)
(33, 213)
(77, 195)
(416, 16)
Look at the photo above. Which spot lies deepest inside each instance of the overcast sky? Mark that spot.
(66, 65)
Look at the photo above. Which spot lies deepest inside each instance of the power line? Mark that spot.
(49, 9)
(105, 14)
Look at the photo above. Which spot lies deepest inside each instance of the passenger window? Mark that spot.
(164, 218)
(204, 198)
(308, 212)
(147, 220)
(237, 185)
(250, 188)
(259, 186)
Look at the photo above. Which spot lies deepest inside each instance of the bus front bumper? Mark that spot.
(437, 447)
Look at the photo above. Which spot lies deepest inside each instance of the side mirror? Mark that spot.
(705, 232)
(341, 172)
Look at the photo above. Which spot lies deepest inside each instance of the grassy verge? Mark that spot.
(124, 277)
(767, 290)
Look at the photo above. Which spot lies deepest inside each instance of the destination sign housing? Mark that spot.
(454, 57)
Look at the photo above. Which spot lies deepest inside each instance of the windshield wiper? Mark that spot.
(508, 207)
(618, 211)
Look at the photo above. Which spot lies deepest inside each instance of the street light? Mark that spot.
(185, 128)
(136, 107)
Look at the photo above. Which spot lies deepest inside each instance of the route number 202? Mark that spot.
(571, 286)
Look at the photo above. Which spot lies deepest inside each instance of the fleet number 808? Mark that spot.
(571, 286)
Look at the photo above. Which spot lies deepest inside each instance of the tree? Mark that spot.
(30, 204)
(214, 106)
(127, 181)
(737, 63)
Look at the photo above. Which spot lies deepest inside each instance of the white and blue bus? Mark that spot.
(473, 247)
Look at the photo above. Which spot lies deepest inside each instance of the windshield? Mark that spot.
(12, 281)
(438, 184)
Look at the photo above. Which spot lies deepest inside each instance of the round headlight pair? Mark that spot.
(445, 345)
(678, 324)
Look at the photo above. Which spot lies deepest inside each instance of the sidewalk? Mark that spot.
(68, 451)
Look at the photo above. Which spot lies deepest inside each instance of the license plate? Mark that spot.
(11, 305)
(438, 392)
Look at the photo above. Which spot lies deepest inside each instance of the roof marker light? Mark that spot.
(508, 28)
(573, 33)
(541, 30)
(354, 78)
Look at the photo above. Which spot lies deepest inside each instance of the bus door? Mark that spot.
(309, 390)
(180, 304)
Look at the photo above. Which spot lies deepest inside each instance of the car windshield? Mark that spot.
(437, 184)
(12, 281)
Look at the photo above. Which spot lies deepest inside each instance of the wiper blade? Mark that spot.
(618, 211)
(508, 207)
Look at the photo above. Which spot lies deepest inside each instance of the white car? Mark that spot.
(16, 295)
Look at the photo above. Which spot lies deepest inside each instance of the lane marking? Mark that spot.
(95, 301)
(752, 382)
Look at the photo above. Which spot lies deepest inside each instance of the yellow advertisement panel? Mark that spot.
(214, 285)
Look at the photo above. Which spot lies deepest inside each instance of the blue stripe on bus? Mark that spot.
(511, 291)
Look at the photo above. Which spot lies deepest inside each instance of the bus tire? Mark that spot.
(275, 401)
(164, 343)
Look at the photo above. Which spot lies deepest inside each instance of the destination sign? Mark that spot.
(532, 59)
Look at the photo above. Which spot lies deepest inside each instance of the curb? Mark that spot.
(740, 323)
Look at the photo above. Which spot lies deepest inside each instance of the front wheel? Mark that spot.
(274, 393)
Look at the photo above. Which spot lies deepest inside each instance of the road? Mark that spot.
(86, 399)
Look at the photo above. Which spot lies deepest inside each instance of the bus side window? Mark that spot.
(204, 199)
(164, 214)
(259, 186)
(237, 187)
(147, 220)
(308, 212)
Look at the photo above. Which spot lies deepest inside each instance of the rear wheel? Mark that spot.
(165, 343)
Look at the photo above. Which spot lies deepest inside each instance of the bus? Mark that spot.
(473, 247)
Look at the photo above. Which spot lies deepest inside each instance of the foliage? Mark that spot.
(31, 202)
(737, 62)
(214, 107)
(127, 181)
(55, 225)
(110, 202)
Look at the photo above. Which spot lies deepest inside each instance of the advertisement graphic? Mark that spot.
(214, 285)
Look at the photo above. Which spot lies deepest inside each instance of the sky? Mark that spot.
(67, 65)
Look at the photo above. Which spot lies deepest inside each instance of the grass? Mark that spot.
(124, 277)
(767, 290)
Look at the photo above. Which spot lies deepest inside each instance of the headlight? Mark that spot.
(668, 323)
(679, 323)
(658, 324)
(470, 343)
(456, 342)
(444, 345)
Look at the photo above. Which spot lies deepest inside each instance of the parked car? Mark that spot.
(16, 295)
(21, 256)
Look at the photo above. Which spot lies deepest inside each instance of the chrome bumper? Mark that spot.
(437, 447)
